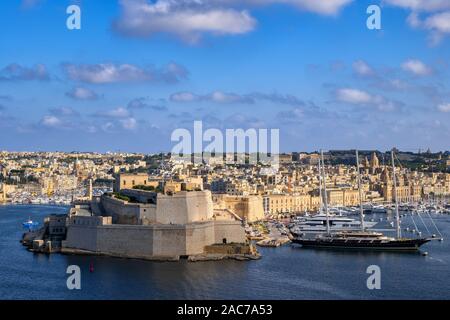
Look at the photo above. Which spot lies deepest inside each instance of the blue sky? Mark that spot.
(138, 69)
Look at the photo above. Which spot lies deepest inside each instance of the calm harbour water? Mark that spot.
(287, 272)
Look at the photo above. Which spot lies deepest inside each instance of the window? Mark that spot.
(224, 240)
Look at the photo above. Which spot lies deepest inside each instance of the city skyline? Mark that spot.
(309, 68)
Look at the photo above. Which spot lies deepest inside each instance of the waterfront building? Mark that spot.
(343, 197)
(289, 203)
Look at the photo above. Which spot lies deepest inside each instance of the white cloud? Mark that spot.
(108, 126)
(28, 4)
(184, 97)
(230, 98)
(17, 72)
(353, 96)
(421, 5)
(439, 22)
(113, 73)
(445, 107)
(397, 84)
(186, 19)
(191, 19)
(324, 7)
(361, 67)
(221, 97)
(416, 67)
(51, 121)
(436, 20)
(106, 73)
(64, 112)
(80, 93)
(363, 98)
(129, 123)
(216, 96)
(414, 20)
(114, 113)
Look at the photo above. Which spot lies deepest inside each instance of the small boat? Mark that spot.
(30, 224)
(379, 209)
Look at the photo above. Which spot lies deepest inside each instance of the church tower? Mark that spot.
(374, 162)
(387, 185)
(89, 190)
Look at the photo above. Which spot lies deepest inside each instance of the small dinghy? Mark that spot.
(30, 224)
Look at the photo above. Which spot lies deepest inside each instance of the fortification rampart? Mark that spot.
(152, 242)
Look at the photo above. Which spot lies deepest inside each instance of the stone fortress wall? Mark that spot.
(178, 225)
(184, 207)
(149, 242)
(123, 212)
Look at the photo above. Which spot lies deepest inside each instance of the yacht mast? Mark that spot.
(320, 189)
(325, 193)
(397, 217)
(361, 210)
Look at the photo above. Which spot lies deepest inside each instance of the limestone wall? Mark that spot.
(249, 208)
(142, 196)
(255, 209)
(184, 207)
(169, 241)
(116, 240)
(199, 235)
(181, 208)
(127, 241)
(156, 241)
(124, 212)
(81, 237)
(90, 220)
(232, 231)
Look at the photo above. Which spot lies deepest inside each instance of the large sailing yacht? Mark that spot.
(361, 239)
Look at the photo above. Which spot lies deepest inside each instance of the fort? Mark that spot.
(146, 225)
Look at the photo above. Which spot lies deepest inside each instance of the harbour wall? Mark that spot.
(152, 242)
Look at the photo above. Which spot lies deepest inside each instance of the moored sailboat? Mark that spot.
(362, 239)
